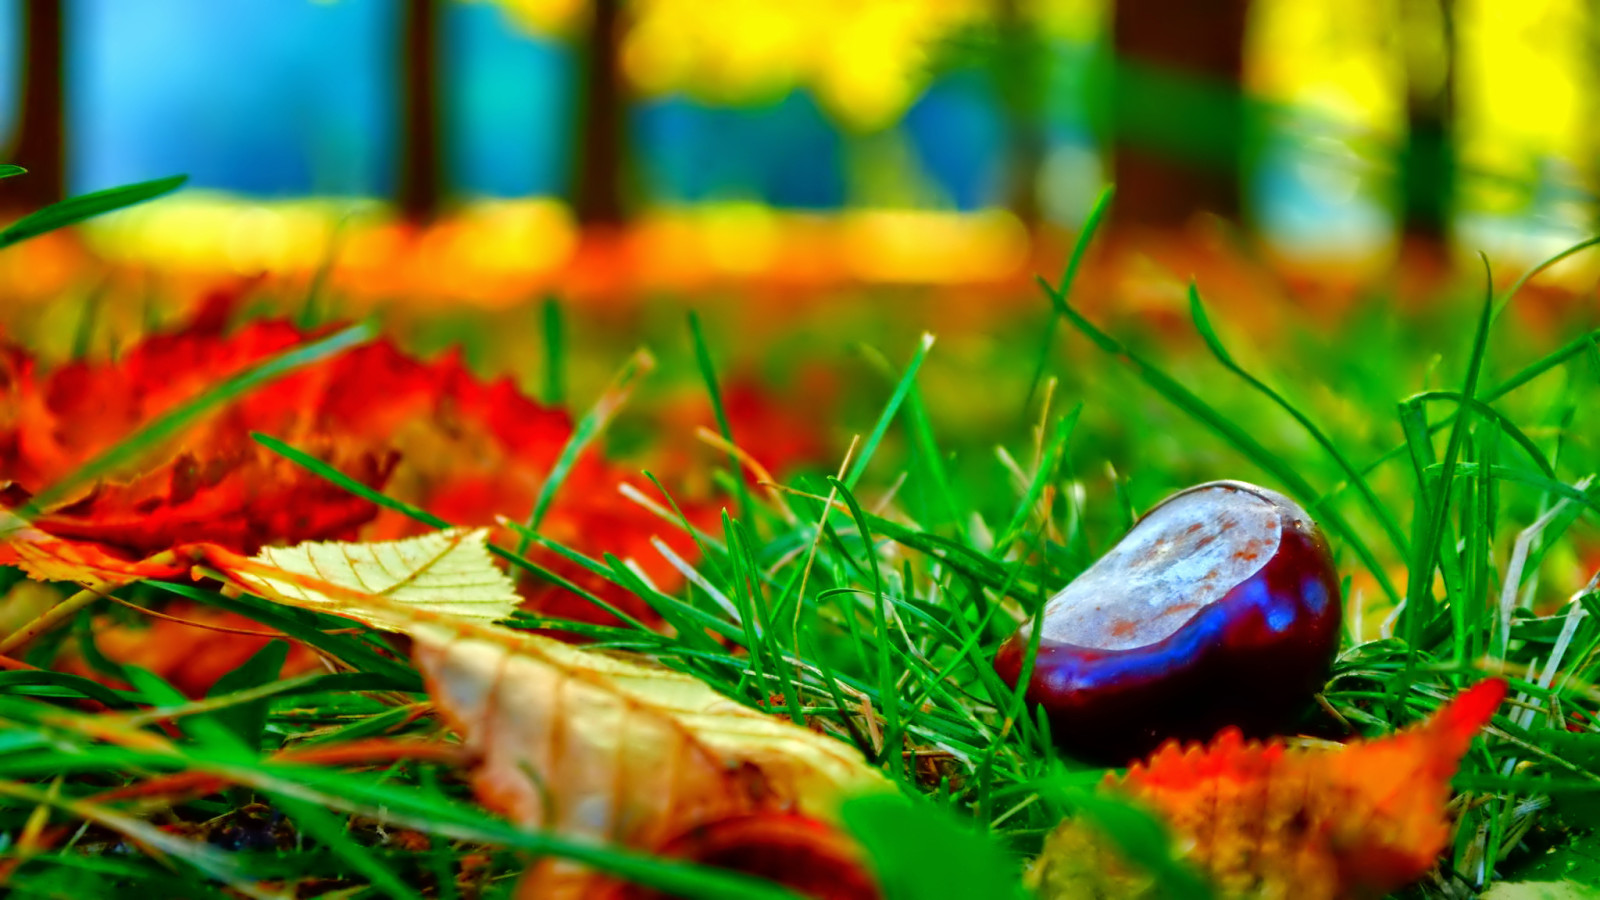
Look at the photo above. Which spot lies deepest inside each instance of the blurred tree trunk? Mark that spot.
(40, 145)
(419, 179)
(1427, 177)
(600, 161)
(1020, 73)
(1177, 109)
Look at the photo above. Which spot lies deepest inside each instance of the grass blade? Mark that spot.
(870, 446)
(329, 473)
(1380, 511)
(708, 374)
(328, 830)
(1183, 398)
(1091, 225)
(1490, 414)
(1425, 559)
(889, 695)
(74, 210)
(174, 422)
(553, 332)
(600, 415)
(1049, 462)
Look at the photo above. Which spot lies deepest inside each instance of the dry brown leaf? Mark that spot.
(603, 748)
(574, 741)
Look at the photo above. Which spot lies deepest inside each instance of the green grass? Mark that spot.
(845, 599)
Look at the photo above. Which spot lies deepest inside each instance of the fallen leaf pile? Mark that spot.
(215, 484)
(1265, 820)
(608, 749)
(428, 433)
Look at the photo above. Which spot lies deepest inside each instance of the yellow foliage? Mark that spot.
(441, 574)
(1336, 59)
(1524, 73)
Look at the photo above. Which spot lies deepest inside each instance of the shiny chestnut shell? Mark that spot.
(1219, 607)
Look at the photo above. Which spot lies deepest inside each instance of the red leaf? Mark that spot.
(428, 433)
(213, 483)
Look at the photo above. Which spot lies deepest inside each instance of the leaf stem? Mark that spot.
(50, 618)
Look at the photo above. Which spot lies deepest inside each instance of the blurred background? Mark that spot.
(546, 185)
(486, 151)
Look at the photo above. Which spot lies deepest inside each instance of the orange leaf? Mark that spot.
(1265, 820)
(49, 558)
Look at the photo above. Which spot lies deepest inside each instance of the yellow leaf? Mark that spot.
(386, 584)
(599, 747)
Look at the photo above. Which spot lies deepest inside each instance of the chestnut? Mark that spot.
(1219, 607)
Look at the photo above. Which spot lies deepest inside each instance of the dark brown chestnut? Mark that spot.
(1220, 607)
